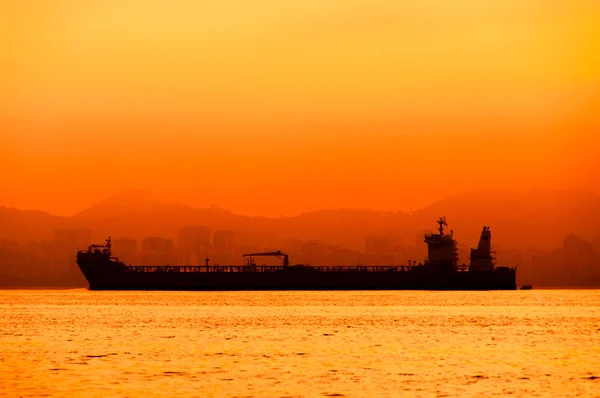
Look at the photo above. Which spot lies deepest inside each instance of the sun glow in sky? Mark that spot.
(271, 107)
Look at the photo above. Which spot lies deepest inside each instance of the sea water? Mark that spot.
(305, 344)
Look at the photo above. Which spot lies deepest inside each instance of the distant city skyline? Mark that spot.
(52, 262)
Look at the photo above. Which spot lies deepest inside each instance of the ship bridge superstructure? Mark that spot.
(442, 251)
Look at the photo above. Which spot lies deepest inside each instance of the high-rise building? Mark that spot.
(577, 257)
(157, 251)
(77, 239)
(126, 250)
(49, 259)
(14, 260)
(67, 242)
(193, 242)
(223, 247)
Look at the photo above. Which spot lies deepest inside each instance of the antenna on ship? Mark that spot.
(442, 222)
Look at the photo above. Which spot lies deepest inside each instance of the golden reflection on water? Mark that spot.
(77, 342)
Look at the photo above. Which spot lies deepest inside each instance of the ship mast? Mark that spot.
(442, 222)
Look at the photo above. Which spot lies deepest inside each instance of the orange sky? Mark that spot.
(271, 107)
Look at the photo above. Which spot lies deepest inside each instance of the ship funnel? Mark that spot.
(482, 258)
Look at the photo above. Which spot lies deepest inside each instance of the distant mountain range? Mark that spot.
(518, 219)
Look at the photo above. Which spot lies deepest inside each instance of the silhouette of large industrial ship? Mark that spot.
(440, 271)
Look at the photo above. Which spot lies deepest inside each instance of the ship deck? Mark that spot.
(271, 268)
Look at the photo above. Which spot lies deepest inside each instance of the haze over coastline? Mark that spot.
(547, 234)
(516, 216)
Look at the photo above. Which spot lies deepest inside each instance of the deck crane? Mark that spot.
(279, 254)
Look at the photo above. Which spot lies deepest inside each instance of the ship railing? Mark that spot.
(265, 268)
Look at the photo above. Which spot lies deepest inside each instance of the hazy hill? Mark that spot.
(536, 218)
(122, 204)
(24, 225)
(121, 215)
(138, 214)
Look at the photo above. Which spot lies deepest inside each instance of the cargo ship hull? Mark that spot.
(416, 279)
